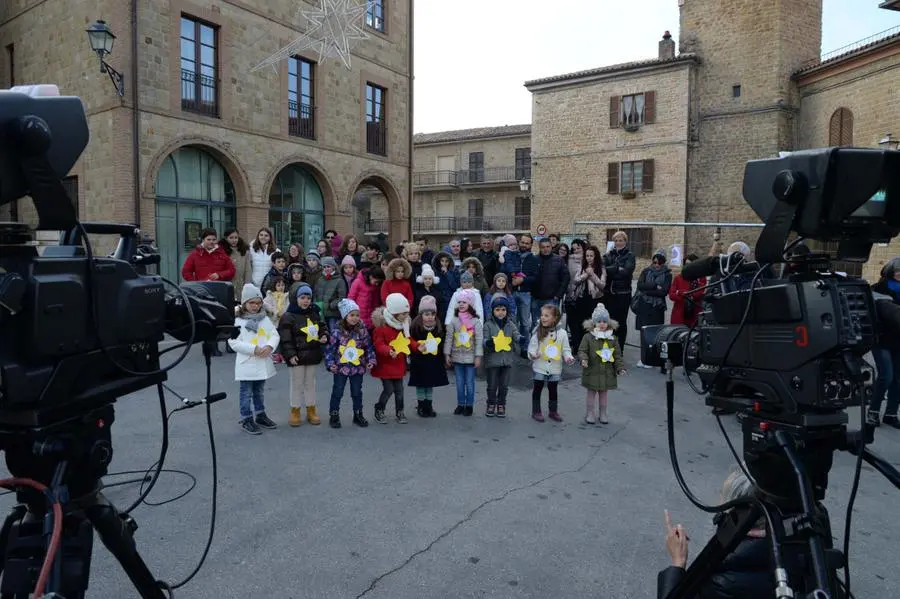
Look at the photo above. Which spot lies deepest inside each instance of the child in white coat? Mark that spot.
(253, 347)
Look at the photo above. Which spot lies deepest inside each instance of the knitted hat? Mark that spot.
(466, 295)
(427, 271)
(600, 314)
(348, 261)
(427, 304)
(295, 266)
(313, 254)
(500, 275)
(501, 301)
(346, 306)
(466, 277)
(250, 292)
(509, 239)
(396, 303)
(304, 290)
(329, 261)
(660, 255)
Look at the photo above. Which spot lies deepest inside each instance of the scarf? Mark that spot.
(396, 324)
(501, 322)
(252, 321)
(295, 308)
(598, 334)
(466, 319)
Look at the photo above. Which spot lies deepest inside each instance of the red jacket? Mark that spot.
(366, 296)
(200, 265)
(401, 286)
(684, 312)
(388, 367)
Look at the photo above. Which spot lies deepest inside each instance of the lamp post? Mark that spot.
(102, 39)
(889, 143)
(524, 186)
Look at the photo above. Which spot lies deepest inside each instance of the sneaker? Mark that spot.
(873, 418)
(642, 365)
(469, 411)
(589, 419)
(264, 421)
(538, 416)
(501, 411)
(379, 416)
(401, 418)
(891, 420)
(334, 419)
(459, 410)
(554, 416)
(360, 420)
(491, 410)
(250, 427)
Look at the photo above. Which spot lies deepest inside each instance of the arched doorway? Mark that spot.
(296, 207)
(193, 191)
(377, 209)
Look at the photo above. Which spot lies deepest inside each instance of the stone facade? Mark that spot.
(250, 138)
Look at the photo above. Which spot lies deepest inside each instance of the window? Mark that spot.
(301, 96)
(523, 214)
(11, 64)
(523, 163)
(476, 167)
(633, 110)
(199, 67)
(70, 184)
(375, 15)
(376, 128)
(631, 177)
(639, 240)
(735, 91)
(476, 208)
(840, 132)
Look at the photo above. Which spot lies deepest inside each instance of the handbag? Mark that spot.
(635, 301)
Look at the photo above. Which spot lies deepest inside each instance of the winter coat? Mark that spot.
(620, 266)
(600, 375)
(449, 281)
(427, 370)
(886, 339)
(260, 264)
(415, 271)
(271, 276)
(336, 242)
(462, 354)
(686, 302)
(530, 266)
(553, 278)
(427, 256)
(202, 264)
(489, 299)
(365, 262)
(328, 292)
(486, 258)
(248, 367)
(542, 365)
(366, 296)
(386, 366)
(492, 357)
(654, 287)
(276, 304)
(587, 285)
(454, 299)
(338, 337)
(419, 291)
(512, 263)
(243, 272)
(480, 283)
(312, 275)
(293, 340)
(402, 286)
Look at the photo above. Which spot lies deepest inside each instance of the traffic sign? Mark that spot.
(542, 230)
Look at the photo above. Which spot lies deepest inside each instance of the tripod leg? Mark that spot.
(117, 535)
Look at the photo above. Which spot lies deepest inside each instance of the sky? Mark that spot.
(472, 56)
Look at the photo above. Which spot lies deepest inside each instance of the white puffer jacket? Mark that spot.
(261, 264)
(248, 367)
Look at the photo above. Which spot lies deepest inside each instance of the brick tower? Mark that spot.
(744, 103)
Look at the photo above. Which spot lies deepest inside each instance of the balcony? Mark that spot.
(301, 120)
(434, 179)
(449, 225)
(376, 138)
(492, 176)
(375, 226)
(199, 94)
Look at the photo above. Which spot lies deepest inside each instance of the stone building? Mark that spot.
(665, 140)
(201, 139)
(470, 183)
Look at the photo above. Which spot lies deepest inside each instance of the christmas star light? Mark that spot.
(463, 338)
(330, 30)
(400, 344)
(312, 330)
(350, 354)
(502, 342)
(431, 344)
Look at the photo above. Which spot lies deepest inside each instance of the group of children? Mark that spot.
(303, 324)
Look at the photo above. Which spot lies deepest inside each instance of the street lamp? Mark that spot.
(889, 143)
(102, 40)
(523, 185)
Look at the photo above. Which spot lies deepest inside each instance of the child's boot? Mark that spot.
(420, 409)
(360, 420)
(603, 416)
(294, 418)
(311, 415)
(491, 410)
(334, 419)
(589, 408)
(429, 408)
(501, 410)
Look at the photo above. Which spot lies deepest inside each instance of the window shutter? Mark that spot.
(613, 180)
(840, 129)
(648, 175)
(649, 107)
(614, 112)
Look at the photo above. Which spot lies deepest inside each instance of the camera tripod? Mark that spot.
(69, 458)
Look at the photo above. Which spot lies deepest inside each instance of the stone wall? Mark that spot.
(498, 151)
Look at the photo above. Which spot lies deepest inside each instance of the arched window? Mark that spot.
(840, 130)
(193, 191)
(296, 207)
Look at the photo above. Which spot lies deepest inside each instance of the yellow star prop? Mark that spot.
(552, 350)
(261, 335)
(606, 354)
(431, 344)
(350, 354)
(400, 344)
(311, 329)
(502, 342)
(463, 338)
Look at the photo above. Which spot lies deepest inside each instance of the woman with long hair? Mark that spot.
(350, 247)
(261, 251)
(585, 291)
(323, 248)
(295, 254)
(239, 252)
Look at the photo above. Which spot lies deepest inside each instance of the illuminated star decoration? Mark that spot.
(552, 350)
(350, 354)
(431, 344)
(606, 354)
(261, 336)
(502, 342)
(329, 30)
(400, 344)
(463, 337)
(312, 330)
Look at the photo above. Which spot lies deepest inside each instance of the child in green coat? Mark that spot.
(601, 360)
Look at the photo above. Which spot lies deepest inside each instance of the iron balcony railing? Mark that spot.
(199, 93)
(426, 178)
(434, 223)
(378, 225)
(301, 120)
(491, 174)
(376, 138)
(499, 224)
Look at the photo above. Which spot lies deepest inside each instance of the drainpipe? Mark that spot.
(135, 116)
(410, 50)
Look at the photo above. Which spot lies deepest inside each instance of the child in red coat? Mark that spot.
(397, 280)
(392, 348)
(686, 299)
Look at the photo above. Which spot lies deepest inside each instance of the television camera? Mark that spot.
(77, 332)
(787, 354)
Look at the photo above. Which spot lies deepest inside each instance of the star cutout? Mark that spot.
(350, 354)
(330, 30)
(400, 344)
(312, 330)
(431, 344)
(463, 338)
(502, 342)
(552, 350)
(606, 353)
(261, 336)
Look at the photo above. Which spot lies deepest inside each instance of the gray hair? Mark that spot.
(741, 247)
(738, 486)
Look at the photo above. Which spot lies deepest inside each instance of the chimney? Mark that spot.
(667, 47)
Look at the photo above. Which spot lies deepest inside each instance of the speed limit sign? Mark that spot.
(542, 230)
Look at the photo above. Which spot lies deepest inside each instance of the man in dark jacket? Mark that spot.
(486, 254)
(552, 280)
(522, 279)
(619, 263)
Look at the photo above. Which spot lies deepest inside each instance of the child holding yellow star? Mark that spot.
(348, 355)
(501, 351)
(601, 361)
(426, 363)
(392, 347)
(253, 366)
(303, 335)
(464, 348)
(548, 349)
